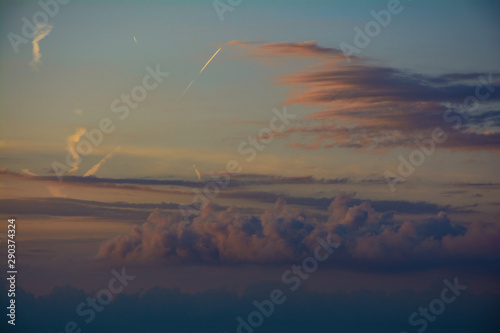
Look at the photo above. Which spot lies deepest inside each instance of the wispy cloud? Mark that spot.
(72, 140)
(197, 172)
(42, 31)
(365, 106)
(96, 167)
(29, 173)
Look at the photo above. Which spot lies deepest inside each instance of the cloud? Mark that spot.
(197, 172)
(236, 189)
(29, 173)
(71, 141)
(288, 49)
(42, 31)
(59, 205)
(365, 106)
(284, 235)
(96, 167)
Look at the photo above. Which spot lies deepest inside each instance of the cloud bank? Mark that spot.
(282, 235)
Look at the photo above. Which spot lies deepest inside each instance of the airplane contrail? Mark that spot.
(185, 90)
(197, 172)
(96, 167)
(220, 48)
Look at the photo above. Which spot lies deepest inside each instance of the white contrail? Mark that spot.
(135, 40)
(197, 172)
(185, 90)
(26, 171)
(96, 167)
(220, 48)
(72, 140)
(42, 30)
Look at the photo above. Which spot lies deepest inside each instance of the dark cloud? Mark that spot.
(74, 207)
(366, 106)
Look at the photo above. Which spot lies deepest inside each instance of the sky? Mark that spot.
(208, 147)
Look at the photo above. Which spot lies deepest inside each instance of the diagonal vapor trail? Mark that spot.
(220, 48)
(185, 90)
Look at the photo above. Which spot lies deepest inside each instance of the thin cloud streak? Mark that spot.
(185, 90)
(220, 48)
(96, 167)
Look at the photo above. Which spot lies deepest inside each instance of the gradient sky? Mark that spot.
(325, 173)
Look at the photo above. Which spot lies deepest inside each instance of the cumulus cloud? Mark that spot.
(42, 31)
(282, 235)
(217, 237)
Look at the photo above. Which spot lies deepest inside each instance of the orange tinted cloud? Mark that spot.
(365, 106)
